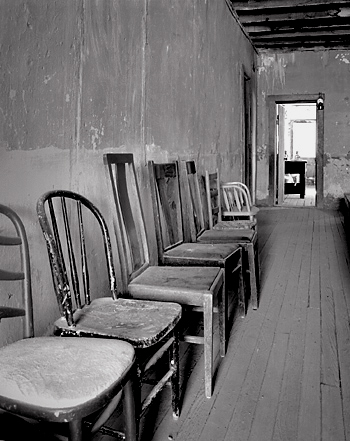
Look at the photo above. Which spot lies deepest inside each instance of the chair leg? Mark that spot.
(208, 345)
(257, 265)
(75, 430)
(241, 289)
(252, 274)
(131, 422)
(137, 391)
(223, 317)
(175, 378)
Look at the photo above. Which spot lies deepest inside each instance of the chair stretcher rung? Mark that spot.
(193, 339)
(7, 312)
(11, 275)
(154, 392)
(6, 240)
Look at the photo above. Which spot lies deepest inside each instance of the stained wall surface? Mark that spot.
(309, 72)
(79, 78)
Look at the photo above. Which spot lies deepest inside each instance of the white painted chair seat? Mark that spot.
(61, 373)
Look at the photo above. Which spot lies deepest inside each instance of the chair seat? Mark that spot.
(252, 211)
(141, 323)
(241, 224)
(200, 254)
(224, 236)
(60, 373)
(164, 281)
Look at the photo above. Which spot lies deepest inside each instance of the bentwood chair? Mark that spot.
(229, 204)
(46, 380)
(78, 242)
(172, 248)
(197, 289)
(197, 232)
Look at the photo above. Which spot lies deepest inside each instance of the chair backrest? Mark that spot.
(128, 219)
(194, 223)
(76, 234)
(236, 200)
(213, 194)
(167, 207)
(26, 303)
(244, 188)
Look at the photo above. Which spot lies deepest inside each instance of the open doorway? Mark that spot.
(296, 151)
(298, 169)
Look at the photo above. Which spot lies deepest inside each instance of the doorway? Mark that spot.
(296, 151)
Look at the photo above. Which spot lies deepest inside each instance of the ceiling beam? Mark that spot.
(255, 31)
(257, 4)
(329, 43)
(300, 35)
(330, 14)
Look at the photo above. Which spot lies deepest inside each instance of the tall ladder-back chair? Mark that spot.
(195, 288)
(197, 231)
(172, 248)
(78, 240)
(53, 380)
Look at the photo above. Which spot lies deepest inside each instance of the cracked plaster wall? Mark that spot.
(310, 73)
(78, 78)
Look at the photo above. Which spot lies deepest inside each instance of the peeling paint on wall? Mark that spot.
(337, 173)
(275, 65)
(96, 136)
(344, 58)
(261, 152)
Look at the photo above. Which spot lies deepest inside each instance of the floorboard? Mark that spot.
(286, 375)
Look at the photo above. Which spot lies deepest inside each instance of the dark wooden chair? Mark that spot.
(195, 288)
(53, 380)
(197, 231)
(173, 250)
(68, 221)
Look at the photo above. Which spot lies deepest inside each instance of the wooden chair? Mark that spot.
(23, 277)
(173, 250)
(238, 202)
(236, 211)
(197, 232)
(195, 288)
(53, 380)
(68, 221)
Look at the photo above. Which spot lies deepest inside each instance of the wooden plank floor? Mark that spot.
(294, 200)
(286, 375)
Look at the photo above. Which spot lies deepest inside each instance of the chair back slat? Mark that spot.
(167, 208)
(213, 195)
(72, 260)
(191, 194)
(84, 260)
(128, 218)
(63, 223)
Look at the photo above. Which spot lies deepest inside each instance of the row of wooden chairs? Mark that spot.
(139, 321)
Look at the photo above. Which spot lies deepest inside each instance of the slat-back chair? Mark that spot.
(247, 238)
(172, 248)
(195, 288)
(93, 308)
(20, 241)
(237, 201)
(52, 380)
(228, 209)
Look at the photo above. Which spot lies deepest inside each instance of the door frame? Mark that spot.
(273, 101)
(280, 147)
